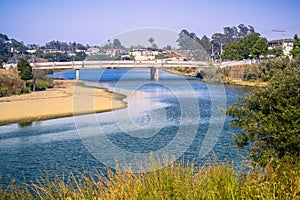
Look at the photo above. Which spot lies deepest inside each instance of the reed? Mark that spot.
(177, 180)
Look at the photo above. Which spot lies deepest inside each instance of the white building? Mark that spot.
(112, 52)
(31, 51)
(287, 45)
(144, 54)
(92, 51)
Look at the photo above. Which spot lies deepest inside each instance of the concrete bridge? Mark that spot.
(154, 65)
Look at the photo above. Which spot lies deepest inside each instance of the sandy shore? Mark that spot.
(67, 98)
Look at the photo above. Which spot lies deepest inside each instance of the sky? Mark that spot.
(93, 22)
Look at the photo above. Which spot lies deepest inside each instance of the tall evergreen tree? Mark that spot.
(25, 70)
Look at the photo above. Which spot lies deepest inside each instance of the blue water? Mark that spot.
(175, 116)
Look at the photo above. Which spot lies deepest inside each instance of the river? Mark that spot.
(175, 116)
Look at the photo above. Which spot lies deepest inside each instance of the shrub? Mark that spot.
(25, 90)
(270, 119)
(10, 85)
(44, 83)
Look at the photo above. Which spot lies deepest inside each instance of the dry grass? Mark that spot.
(176, 181)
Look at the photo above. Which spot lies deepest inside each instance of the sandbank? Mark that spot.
(66, 98)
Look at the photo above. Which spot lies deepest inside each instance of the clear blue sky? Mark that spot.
(94, 21)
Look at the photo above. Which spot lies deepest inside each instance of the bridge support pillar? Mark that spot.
(77, 74)
(154, 75)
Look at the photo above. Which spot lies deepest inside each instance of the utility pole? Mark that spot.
(212, 52)
(221, 51)
(283, 33)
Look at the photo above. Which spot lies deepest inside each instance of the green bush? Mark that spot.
(270, 118)
(25, 90)
(44, 83)
(3, 91)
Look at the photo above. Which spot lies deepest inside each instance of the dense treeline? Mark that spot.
(242, 38)
(12, 50)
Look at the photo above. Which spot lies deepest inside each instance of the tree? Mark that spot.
(190, 41)
(205, 43)
(151, 40)
(80, 56)
(168, 47)
(4, 49)
(232, 51)
(117, 43)
(296, 47)
(216, 40)
(277, 51)
(243, 49)
(260, 48)
(231, 34)
(25, 70)
(246, 44)
(243, 30)
(269, 118)
(153, 45)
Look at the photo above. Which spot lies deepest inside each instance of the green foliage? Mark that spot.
(174, 181)
(248, 47)
(265, 70)
(277, 51)
(232, 51)
(4, 48)
(80, 56)
(269, 118)
(43, 83)
(296, 47)
(25, 90)
(18, 46)
(117, 44)
(25, 70)
(260, 48)
(161, 56)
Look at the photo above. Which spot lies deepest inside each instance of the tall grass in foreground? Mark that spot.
(176, 181)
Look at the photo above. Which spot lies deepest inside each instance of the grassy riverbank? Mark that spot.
(176, 181)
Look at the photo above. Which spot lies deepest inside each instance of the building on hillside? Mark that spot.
(112, 52)
(144, 53)
(31, 51)
(92, 51)
(287, 45)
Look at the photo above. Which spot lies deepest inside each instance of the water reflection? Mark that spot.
(24, 124)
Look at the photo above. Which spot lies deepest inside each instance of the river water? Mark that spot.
(175, 116)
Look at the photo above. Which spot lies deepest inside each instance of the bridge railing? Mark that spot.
(103, 64)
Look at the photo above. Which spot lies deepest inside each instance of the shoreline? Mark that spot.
(245, 83)
(66, 99)
(231, 82)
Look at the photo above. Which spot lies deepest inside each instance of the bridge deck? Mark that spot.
(118, 64)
